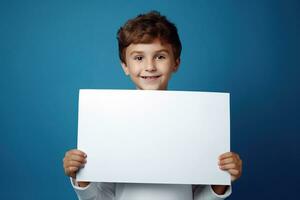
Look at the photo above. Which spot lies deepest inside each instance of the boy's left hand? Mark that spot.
(232, 163)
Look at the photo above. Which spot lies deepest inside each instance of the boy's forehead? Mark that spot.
(149, 47)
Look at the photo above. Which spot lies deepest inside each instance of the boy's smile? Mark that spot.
(150, 66)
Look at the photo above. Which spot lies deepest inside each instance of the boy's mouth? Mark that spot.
(150, 77)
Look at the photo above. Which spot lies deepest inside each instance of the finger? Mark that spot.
(233, 178)
(226, 161)
(70, 162)
(71, 170)
(75, 152)
(77, 158)
(226, 155)
(228, 166)
(74, 163)
(234, 172)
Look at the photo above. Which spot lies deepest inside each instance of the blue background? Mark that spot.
(50, 49)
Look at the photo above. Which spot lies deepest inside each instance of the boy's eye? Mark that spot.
(160, 57)
(139, 58)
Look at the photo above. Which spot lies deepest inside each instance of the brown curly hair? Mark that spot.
(144, 29)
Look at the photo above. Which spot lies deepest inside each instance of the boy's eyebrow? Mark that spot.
(163, 50)
(137, 52)
(140, 52)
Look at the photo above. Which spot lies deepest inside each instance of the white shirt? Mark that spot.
(137, 191)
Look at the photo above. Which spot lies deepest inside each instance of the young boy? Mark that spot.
(149, 50)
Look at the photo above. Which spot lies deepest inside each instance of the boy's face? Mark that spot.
(150, 65)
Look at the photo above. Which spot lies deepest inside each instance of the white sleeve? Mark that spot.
(205, 192)
(94, 191)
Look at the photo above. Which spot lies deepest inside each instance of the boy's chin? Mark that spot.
(151, 87)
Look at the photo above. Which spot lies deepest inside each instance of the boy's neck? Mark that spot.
(137, 88)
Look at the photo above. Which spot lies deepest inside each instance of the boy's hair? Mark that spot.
(144, 29)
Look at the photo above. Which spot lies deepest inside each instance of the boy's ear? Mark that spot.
(177, 63)
(125, 68)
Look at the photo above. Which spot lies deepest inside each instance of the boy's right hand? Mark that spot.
(74, 160)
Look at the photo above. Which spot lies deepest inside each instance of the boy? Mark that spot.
(149, 50)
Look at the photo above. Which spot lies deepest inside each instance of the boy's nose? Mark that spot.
(150, 66)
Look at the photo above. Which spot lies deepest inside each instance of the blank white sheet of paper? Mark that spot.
(146, 136)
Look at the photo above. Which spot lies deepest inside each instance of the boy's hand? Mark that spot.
(232, 163)
(73, 161)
